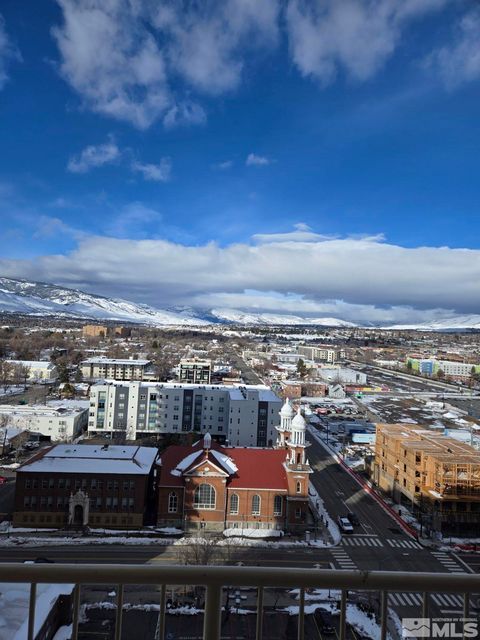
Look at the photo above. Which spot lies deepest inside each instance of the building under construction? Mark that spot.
(439, 477)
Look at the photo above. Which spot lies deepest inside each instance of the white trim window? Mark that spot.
(277, 506)
(234, 504)
(204, 497)
(256, 503)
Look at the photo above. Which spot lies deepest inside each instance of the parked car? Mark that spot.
(354, 521)
(344, 524)
(3, 479)
(325, 622)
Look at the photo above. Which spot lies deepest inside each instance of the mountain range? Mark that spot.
(43, 299)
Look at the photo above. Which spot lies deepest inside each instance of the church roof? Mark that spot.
(247, 467)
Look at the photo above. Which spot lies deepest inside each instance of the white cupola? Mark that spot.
(286, 415)
(298, 429)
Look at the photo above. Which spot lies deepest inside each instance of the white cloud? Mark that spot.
(94, 156)
(184, 113)
(459, 62)
(130, 221)
(223, 166)
(123, 57)
(154, 172)
(253, 160)
(354, 36)
(302, 233)
(8, 52)
(364, 271)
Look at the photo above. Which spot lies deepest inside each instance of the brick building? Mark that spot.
(86, 485)
(211, 487)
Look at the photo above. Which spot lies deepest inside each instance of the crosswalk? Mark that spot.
(448, 562)
(342, 558)
(404, 544)
(374, 541)
(445, 601)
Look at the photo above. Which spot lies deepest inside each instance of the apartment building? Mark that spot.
(195, 371)
(100, 368)
(322, 354)
(38, 371)
(439, 476)
(451, 368)
(243, 415)
(101, 331)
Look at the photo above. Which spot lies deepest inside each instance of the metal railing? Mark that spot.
(215, 578)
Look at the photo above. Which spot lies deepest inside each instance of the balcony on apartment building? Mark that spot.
(218, 579)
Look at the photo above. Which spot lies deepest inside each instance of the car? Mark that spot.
(3, 479)
(344, 524)
(325, 622)
(43, 561)
(354, 521)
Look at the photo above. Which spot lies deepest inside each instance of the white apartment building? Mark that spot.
(322, 354)
(101, 368)
(242, 415)
(61, 422)
(38, 370)
(342, 375)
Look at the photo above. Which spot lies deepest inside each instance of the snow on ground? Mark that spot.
(253, 533)
(64, 633)
(12, 466)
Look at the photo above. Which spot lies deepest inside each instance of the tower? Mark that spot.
(285, 428)
(296, 443)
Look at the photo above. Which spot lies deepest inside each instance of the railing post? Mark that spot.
(119, 613)
(466, 605)
(425, 604)
(160, 632)
(343, 615)
(76, 611)
(213, 610)
(383, 615)
(301, 616)
(259, 634)
(31, 611)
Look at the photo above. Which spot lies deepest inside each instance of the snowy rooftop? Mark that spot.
(14, 600)
(265, 393)
(119, 361)
(109, 459)
(34, 363)
(41, 410)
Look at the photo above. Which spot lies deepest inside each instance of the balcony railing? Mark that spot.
(215, 578)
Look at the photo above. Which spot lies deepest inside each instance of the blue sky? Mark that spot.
(321, 154)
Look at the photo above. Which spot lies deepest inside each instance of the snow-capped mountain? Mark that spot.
(453, 323)
(41, 299)
(236, 316)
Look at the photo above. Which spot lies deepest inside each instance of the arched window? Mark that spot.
(172, 502)
(277, 506)
(204, 497)
(256, 505)
(234, 504)
(299, 487)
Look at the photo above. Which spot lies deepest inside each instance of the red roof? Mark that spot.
(257, 468)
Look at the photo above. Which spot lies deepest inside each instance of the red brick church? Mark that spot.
(208, 486)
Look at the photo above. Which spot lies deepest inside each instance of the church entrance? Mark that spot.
(78, 515)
